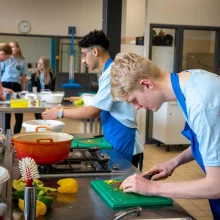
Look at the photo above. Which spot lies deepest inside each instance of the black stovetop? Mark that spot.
(80, 160)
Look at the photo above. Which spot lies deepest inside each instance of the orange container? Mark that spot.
(43, 147)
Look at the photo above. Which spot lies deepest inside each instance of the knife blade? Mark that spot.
(117, 184)
(89, 137)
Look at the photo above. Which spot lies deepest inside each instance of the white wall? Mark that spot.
(31, 47)
(51, 17)
(184, 12)
(133, 18)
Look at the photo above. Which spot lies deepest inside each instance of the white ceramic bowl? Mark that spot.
(53, 98)
(43, 93)
(53, 125)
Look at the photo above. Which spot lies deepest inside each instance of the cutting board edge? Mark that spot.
(110, 203)
(101, 195)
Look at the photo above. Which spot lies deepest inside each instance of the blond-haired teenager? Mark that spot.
(140, 82)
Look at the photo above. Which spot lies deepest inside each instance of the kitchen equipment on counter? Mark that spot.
(23, 94)
(81, 163)
(134, 210)
(91, 142)
(87, 98)
(43, 147)
(54, 98)
(43, 93)
(119, 199)
(29, 172)
(4, 176)
(53, 125)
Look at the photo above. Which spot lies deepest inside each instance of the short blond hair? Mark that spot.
(127, 71)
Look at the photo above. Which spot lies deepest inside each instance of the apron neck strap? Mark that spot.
(107, 64)
(177, 90)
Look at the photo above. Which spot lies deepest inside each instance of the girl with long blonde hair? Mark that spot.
(44, 78)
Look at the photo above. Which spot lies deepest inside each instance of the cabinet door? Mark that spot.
(159, 131)
(175, 125)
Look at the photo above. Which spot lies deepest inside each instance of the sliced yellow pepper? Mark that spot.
(109, 181)
(66, 197)
(79, 102)
(67, 185)
(18, 185)
(41, 208)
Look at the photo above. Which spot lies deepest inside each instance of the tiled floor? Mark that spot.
(198, 208)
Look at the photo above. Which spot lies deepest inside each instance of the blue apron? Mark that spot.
(122, 138)
(190, 135)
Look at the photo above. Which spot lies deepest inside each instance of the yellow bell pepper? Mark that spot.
(41, 208)
(66, 197)
(79, 102)
(18, 185)
(67, 185)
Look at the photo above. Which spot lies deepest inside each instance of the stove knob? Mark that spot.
(104, 155)
(94, 149)
(116, 167)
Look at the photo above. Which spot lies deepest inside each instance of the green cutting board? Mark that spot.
(119, 199)
(99, 142)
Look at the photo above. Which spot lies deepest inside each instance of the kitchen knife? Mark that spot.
(89, 137)
(117, 184)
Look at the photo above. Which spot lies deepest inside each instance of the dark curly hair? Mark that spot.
(95, 38)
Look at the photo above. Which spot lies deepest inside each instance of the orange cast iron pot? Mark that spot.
(43, 147)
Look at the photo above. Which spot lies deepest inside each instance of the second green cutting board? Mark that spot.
(91, 142)
(119, 199)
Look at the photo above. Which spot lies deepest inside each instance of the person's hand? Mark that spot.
(138, 184)
(2, 97)
(6, 90)
(50, 114)
(162, 170)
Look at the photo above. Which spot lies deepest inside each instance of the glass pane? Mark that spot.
(198, 50)
(162, 55)
(163, 48)
(64, 60)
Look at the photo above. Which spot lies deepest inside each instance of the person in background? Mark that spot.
(5, 52)
(140, 82)
(14, 72)
(44, 78)
(118, 119)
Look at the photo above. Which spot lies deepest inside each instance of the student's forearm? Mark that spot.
(81, 113)
(185, 157)
(1, 90)
(23, 82)
(200, 189)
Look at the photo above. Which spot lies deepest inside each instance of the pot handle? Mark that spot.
(37, 128)
(44, 139)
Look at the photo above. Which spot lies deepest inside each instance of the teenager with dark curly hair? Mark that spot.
(118, 118)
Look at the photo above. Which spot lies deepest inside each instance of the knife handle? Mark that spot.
(149, 176)
(98, 136)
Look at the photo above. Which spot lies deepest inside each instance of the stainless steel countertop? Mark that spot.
(86, 204)
(7, 109)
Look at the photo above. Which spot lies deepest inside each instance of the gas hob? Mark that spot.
(82, 162)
